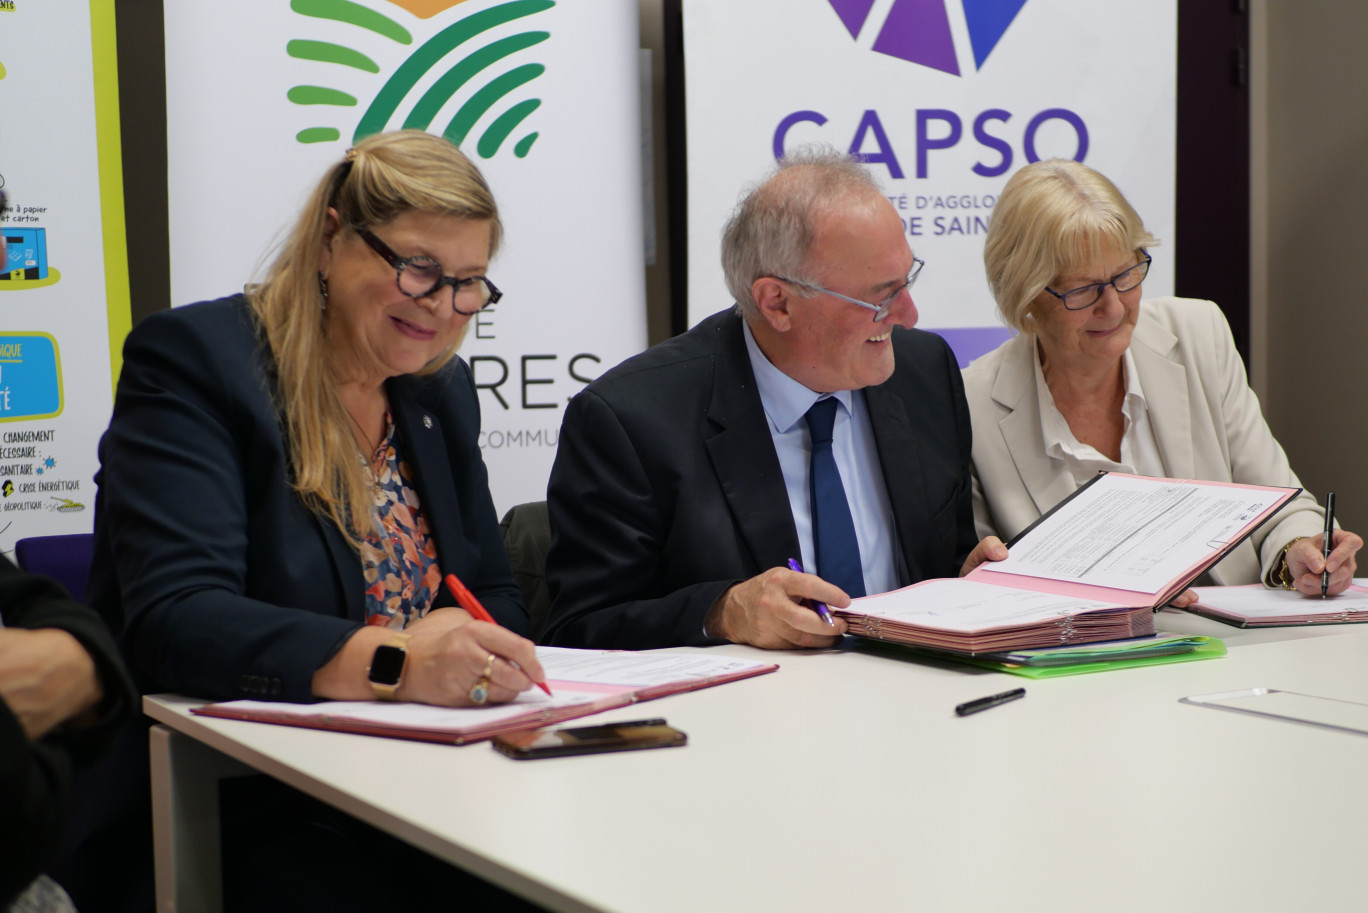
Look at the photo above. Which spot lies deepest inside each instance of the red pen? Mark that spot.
(472, 605)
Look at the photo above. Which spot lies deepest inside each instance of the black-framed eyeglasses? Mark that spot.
(419, 277)
(1085, 296)
(883, 307)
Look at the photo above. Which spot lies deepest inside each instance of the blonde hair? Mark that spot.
(383, 177)
(1054, 217)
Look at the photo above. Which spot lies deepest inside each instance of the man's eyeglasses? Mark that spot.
(1085, 296)
(880, 309)
(419, 277)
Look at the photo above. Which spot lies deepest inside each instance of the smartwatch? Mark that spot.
(386, 669)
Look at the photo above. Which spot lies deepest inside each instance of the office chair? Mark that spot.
(65, 559)
(526, 532)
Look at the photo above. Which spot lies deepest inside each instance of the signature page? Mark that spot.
(1256, 604)
(629, 669)
(1136, 533)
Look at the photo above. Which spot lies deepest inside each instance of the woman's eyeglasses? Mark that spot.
(419, 277)
(1085, 296)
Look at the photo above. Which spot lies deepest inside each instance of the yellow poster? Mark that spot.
(64, 306)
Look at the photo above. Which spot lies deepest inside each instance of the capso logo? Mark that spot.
(467, 61)
(918, 31)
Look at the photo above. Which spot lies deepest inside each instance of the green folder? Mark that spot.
(1100, 657)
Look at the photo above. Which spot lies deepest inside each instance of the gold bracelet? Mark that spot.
(1280, 576)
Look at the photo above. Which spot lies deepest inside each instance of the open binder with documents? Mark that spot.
(582, 682)
(1092, 569)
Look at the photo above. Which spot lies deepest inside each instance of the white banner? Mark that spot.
(64, 282)
(542, 95)
(945, 99)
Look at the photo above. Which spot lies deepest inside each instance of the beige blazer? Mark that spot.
(1205, 419)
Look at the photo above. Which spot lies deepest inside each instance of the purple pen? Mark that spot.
(818, 607)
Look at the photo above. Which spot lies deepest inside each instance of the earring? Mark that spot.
(323, 290)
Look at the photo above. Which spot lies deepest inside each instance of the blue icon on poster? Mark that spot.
(30, 377)
(26, 258)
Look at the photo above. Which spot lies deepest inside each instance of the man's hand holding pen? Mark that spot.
(774, 610)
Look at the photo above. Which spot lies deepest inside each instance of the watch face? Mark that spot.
(387, 665)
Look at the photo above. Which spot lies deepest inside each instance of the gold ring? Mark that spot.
(489, 666)
(479, 692)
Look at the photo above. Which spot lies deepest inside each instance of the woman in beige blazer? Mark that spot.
(1099, 379)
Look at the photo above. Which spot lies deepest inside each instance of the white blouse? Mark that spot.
(1139, 451)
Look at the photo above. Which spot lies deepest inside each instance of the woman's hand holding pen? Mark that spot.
(1305, 563)
(449, 651)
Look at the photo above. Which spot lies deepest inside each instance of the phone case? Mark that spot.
(557, 743)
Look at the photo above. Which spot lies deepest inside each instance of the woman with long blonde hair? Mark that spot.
(290, 472)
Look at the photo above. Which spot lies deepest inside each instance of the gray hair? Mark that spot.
(771, 229)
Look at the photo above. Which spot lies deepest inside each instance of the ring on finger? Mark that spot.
(489, 667)
(479, 692)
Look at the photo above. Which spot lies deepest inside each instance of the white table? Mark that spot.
(844, 781)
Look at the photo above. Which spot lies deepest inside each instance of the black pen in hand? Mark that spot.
(1325, 546)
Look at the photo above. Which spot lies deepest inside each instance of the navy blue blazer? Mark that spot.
(225, 584)
(667, 490)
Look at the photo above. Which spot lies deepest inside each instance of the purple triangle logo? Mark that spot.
(918, 31)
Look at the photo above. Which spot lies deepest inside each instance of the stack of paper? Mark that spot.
(972, 617)
(1256, 606)
(1102, 657)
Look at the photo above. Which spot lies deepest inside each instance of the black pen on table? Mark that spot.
(991, 700)
(1325, 546)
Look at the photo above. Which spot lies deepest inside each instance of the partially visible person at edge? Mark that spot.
(1099, 379)
(63, 693)
(684, 480)
(289, 474)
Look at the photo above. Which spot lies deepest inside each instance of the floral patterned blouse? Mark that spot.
(400, 586)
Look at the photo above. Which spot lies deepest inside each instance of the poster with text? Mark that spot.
(64, 281)
(543, 96)
(945, 100)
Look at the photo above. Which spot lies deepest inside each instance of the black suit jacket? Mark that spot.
(228, 586)
(666, 488)
(35, 776)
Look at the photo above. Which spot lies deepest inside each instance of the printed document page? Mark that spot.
(602, 671)
(1134, 533)
(1259, 601)
(620, 667)
(968, 606)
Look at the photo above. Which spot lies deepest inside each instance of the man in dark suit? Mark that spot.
(686, 478)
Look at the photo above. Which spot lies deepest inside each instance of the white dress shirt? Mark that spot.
(786, 402)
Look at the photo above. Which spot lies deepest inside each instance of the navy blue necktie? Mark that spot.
(833, 530)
